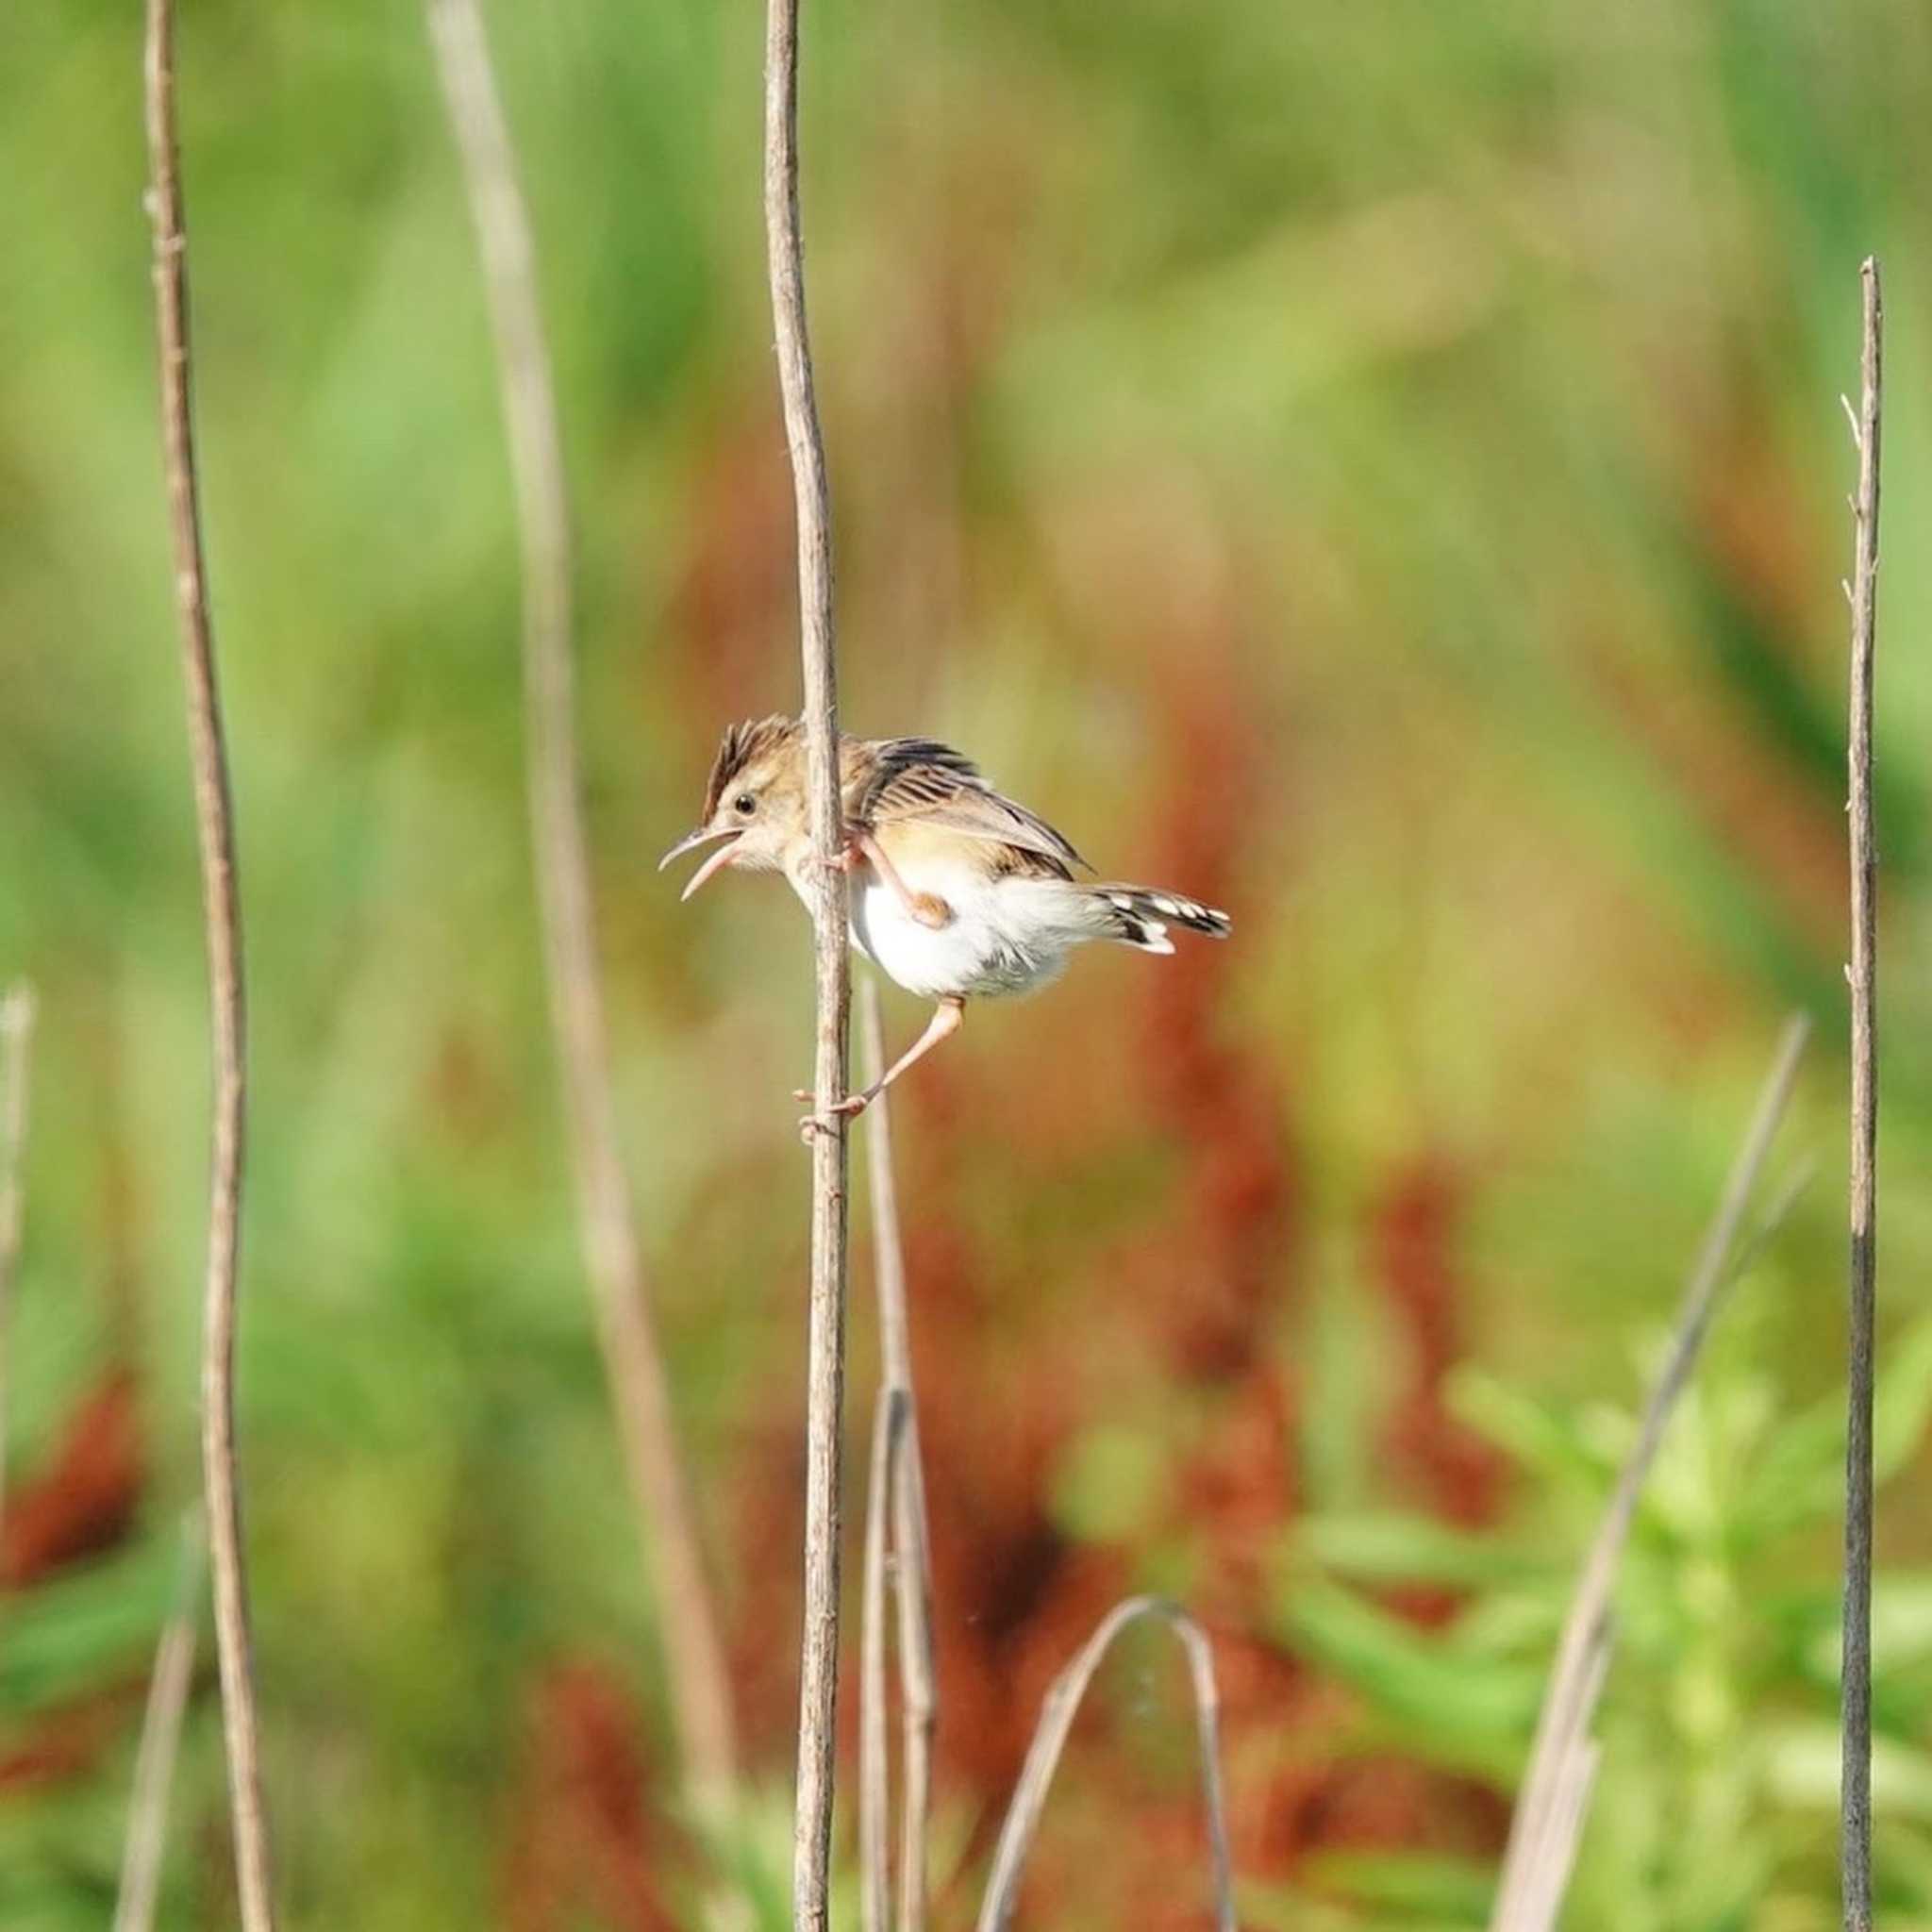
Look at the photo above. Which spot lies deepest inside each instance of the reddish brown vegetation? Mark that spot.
(83, 1500)
(588, 1833)
(81, 1503)
(68, 1740)
(1452, 1470)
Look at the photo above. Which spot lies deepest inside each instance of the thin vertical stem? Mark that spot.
(222, 910)
(889, 1247)
(912, 1567)
(16, 1057)
(1856, 1788)
(160, 1737)
(818, 1689)
(699, 1686)
(874, 1773)
(918, 1676)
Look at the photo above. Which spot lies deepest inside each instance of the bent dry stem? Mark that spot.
(1062, 1705)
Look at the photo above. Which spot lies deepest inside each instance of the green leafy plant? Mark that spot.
(1715, 1805)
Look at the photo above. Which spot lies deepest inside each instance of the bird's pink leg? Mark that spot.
(862, 848)
(943, 1025)
(928, 908)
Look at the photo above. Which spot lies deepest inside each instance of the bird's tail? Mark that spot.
(1139, 916)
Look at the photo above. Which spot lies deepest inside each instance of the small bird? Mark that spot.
(957, 893)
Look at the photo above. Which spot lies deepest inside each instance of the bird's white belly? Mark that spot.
(1005, 936)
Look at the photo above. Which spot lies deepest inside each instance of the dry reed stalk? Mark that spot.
(160, 1738)
(1550, 1807)
(222, 909)
(818, 1687)
(1571, 1787)
(875, 1779)
(1855, 1683)
(898, 1488)
(698, 1681)
(16, 1059)
(918, 1676)
(1062, 1705)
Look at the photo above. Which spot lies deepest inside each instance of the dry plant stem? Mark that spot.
(818, 1687)
(221, 902)
(889, 1248)
(1547, 1875)
(1543, 1833)
(160, 1737)
(16, 1055)
(1063, 1700)
(904, 1492)
(1855, 1785)
(918, 1679)
(875, 1793)
(698, 1683)
(1570, 1804)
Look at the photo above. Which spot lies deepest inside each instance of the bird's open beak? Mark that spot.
(718, 859)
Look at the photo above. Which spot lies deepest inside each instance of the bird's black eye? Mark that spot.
(744, 804)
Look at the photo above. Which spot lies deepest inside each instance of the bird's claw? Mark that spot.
(849, 1108)
(845, 859)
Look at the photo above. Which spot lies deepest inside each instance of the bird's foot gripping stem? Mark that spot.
(849, 1108)
(943, 1025)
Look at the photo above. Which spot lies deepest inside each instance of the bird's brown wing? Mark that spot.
(918, 779)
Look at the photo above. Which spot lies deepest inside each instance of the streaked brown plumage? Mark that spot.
(957, 890)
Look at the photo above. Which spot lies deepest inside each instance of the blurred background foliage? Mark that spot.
(1378, 467)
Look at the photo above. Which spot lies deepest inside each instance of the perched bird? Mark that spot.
(956, 891)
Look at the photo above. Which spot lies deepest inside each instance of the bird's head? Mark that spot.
(754, 806)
